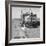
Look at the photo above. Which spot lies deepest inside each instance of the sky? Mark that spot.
(16, 11)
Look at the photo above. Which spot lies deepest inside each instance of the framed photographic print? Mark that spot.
(25, 22)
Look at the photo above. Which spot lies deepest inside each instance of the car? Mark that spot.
(30, 20)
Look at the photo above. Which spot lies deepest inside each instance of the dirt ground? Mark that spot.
(18, 32)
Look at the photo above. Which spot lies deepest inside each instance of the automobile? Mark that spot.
(31, 20)
(32, 24)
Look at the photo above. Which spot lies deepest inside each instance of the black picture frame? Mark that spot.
(24, 2)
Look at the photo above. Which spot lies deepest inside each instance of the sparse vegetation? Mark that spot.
(17, 32)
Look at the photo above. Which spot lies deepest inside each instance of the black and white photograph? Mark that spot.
(25, 22)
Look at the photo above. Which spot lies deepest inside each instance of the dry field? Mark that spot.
(17, 31)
